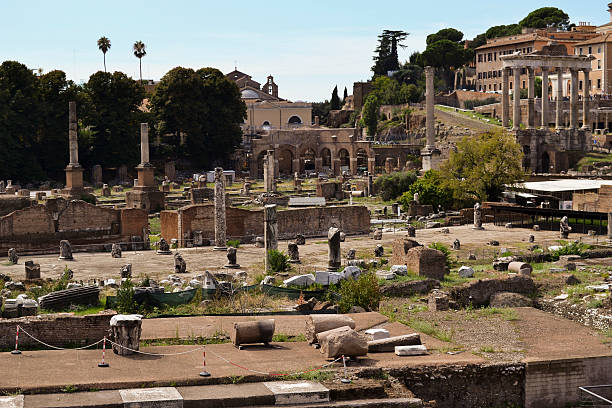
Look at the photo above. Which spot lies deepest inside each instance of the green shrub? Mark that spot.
(444, 249)
(278, 261)
(125, 298)
(364, 292)
(62, 283)
(393, 185)
(88, 199)
(573, 248)
(233, 243)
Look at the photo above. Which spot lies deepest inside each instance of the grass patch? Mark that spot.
(318, 375)
(430, 330)
(508, 314)
(285, 338)
(155, 225)
(191, 341)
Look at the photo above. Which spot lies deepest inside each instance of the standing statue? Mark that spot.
(231, 258)
(333, 242)
(12, 256)
(565, 229)
(477, 217)
(179, 263)
(164, 248)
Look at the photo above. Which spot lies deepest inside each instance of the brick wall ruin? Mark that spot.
(247, 224)
(596, 202)
(57, 329)
(43, 226)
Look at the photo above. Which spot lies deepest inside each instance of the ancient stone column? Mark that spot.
(559, 112)
(545, 104)
(72, 133)
(429, 106)
(530, 98)
(144, 143)
(220, 226)
(270, 231)
(586, 94)
(505, 101)
(333, 242)
(269, 172)
(125, 332)
(610, 225)
(574, 99)
(516, 95)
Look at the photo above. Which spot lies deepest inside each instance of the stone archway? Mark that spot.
(326, 159)
(344, 160)
(307, 160)
(545, 161)
(285, 162)
(362, 160)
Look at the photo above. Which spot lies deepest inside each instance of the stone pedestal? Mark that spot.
(32, 270)
(231, 259)
(125, 330)
(294, 253)
(430, 158)
(65, 251)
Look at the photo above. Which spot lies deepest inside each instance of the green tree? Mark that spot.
(386, 57)
(450, 34)
(104, 45)
(51, 147)
(19, 116)
(503, 30)
(344, 96)
(139, 52)
(370, 113)
(393, 185)
(482, 165)
(335, 100)
(206, 107)
(546, 17)
(321, 109)
(431, 190)
(112, 113)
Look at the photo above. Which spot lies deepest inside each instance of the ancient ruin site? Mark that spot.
(438, 235)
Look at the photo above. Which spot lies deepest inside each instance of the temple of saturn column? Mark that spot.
(546, 150)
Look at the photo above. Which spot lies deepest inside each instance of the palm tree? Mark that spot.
(139, 52)
(104, 45)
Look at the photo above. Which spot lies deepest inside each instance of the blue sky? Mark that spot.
(309, 47)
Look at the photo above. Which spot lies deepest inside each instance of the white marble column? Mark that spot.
(505, 101)
(530, 98)
(586, 94)
(559, 112)
(545, 102)
(516, 111)
(144, 143)
(574, 99)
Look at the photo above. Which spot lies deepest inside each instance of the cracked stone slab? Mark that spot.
(12, 402)
(298, 392)
(162, 397)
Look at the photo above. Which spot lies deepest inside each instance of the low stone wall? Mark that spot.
(56, 329)
(245, 225)
(466, 386)
(578, 313)
(478, 293)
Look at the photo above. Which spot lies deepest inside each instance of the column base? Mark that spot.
(218, 248)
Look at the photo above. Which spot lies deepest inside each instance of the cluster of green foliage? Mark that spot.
(278, 261)
(363, 291)
(335, 99)
(233, 243)
(431, 190)
(572, 248)
(482, 165)
(385, 57)
(545, 17)
(393, 185)
(472, 103)
(125, 298)
(444, 249)
(204, 105)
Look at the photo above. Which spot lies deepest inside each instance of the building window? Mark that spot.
(598, 83)
(510, 85)
(489, 87)
(590, 50)
(480, 75)
(479, 57)
(499, 74)
(495, 56)
(480, 88)
(489, 57)
(599, 50)
(495, 87)
(580, 85)
(494, 74)
(598, 64)
(270, 89)
(580, 51)
(523, 84)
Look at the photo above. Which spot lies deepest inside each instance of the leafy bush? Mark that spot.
(125, 298)
(392, 185)
(88, 199)
(363, 292)
(278, 261)
(573, 248)
(444, 249)
(233, 243)
(62, 283)
(431, 191)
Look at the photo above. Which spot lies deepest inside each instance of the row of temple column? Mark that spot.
(516, 109)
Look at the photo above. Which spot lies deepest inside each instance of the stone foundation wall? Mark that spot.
(57, 329)
(247, 224)
(10, 203)
(43, 226)
(596, 202)
(466, 386)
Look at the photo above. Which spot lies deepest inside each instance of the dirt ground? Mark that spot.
(313, 255)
